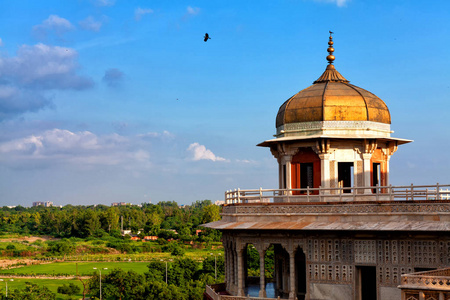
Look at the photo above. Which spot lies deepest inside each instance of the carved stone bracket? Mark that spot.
(322, 147)
(370, 146)
(391, 148)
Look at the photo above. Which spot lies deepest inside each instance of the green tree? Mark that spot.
(210, 264)
(119, 284)
(32, 291)
(157, 290)
(211, 213)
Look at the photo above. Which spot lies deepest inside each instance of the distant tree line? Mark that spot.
(101, 220)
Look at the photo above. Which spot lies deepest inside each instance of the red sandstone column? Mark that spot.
(262, 283)
(292, 274)
(240, 271)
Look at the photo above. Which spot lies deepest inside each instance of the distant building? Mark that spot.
(219, 202)
(125, 232)
(150, 238)
(43, 203)
(124, 204)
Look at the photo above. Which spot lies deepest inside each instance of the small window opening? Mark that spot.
(376, 175)
(345, 175)
(306, 175)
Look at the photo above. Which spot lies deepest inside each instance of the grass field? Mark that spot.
(84, 268)
(51, 284)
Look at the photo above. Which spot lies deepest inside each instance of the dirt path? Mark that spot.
(45, 277)
(29, 239)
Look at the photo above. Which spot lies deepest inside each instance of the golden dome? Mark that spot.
(333, 98)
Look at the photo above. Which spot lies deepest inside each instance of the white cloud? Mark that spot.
(246, 161)
(140, 12)
(53, 24)
(90, 24)
(199, 152)
(47, 67)
(1, 42)
(35, 69)
(339, 3)
(192, 10)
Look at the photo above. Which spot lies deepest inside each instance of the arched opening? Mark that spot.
(305, 170)
(281, 272)
(300, 274)
(252, 272)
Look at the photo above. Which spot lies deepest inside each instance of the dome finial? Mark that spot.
(331, 74)
(330, 49)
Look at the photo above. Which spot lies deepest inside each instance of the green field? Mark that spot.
(70, 268)
(51, 284)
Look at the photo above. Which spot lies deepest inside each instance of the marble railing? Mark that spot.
(372, 193)
(436, 280)
(211, 292)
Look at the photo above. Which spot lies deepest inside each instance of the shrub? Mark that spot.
(70, 289)
(11, 247)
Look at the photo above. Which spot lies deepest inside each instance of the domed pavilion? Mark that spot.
(335, 227)
(333, 134)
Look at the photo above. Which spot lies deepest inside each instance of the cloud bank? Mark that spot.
(59, 146)
(34, 70)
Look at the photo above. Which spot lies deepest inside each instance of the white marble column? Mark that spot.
(325, 170)
(287, 160)
(366, 170)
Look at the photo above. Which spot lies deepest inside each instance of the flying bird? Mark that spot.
(206, 37)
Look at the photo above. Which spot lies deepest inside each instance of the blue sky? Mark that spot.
(104, 101)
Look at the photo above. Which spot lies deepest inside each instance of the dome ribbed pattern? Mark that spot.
(333, 100)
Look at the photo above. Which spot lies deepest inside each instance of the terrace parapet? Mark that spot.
(433, 284)
(412, 208)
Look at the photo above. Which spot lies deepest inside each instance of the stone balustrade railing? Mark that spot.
(213, 293)
(435, 280)
(373, 193)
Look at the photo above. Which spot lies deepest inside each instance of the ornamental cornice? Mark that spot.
(337, 209)
(343, 127)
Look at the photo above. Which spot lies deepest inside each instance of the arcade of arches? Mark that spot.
(334, 265)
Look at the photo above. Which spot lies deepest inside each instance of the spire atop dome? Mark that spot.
(331, 74)
(330, 49)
